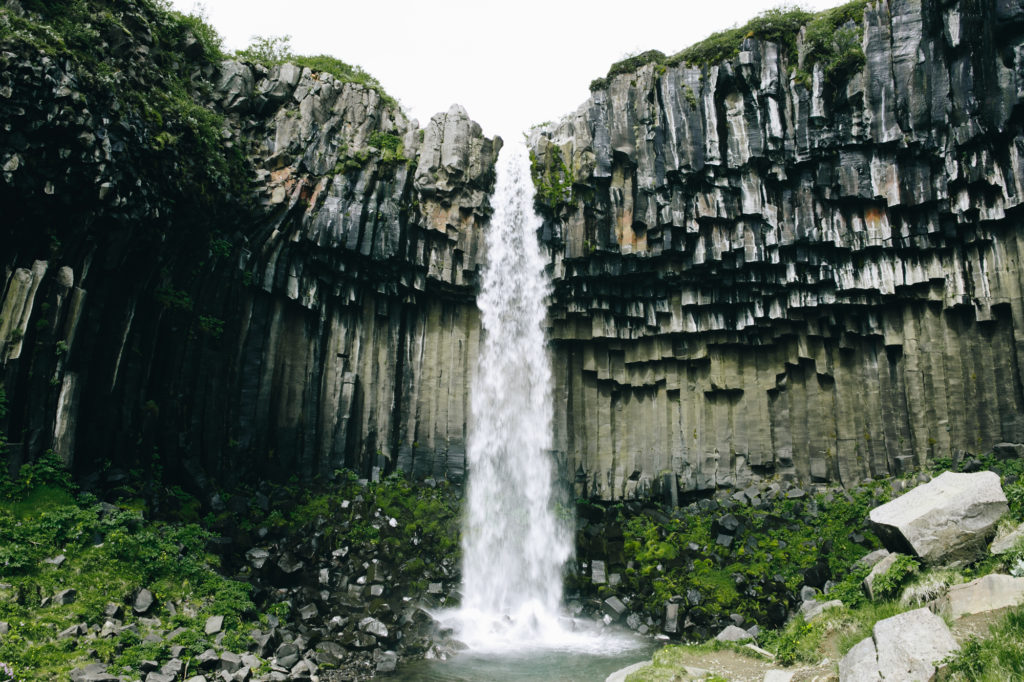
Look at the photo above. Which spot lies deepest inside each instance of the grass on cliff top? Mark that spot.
(828, 40)
(134, 62)
(273, 50)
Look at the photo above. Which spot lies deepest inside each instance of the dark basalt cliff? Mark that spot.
(760, 267)
(755, 274)
(317, 314)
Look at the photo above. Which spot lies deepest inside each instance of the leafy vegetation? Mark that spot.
(1000, 656)
(767, 558)
(272, 50)
(888, 585)
(780, 25)
(105, 553)
(832, 38)
(172, 167)
(553, 179)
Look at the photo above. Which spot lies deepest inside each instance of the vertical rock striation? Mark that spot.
(756, 274)
(327, 321)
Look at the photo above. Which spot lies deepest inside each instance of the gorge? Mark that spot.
(782, 259)
(755, 271)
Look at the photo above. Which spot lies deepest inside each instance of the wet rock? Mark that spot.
(257, 557)
(286, 655)
(387, 661)
(671, 624)
(598, 574)
(329, 653)
(614, 608)
(374, 627)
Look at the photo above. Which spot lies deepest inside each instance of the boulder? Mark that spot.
(73, 631)
(814, 608)
(94, 672)
(1004, 542)
(159, 677)
(614, 607)
(287, 655)
(860, 664)
(671, 625)
(387, 661)
(904, 647)
(374, 627)
(143, 602)
(947, 519)
(987, 593)
(65, 597)
(732, 633)
(872, 558)
(214, 624)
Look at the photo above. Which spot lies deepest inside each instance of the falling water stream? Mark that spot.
(514, 544)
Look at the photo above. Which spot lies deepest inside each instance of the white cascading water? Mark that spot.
(514, 546)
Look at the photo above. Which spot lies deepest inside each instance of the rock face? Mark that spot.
(904, 647)
(753, 276)
(329, 321)
(950, 518)
(988, 593)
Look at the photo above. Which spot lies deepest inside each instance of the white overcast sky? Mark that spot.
(511, 64)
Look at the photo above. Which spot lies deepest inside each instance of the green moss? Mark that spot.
(780, 25)
(832, 38)
(108, 556)
(553, 179)
(273, 50)
(766, 560)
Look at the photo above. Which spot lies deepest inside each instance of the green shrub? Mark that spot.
(889, 584)
(999, 657)
(832, 37)
(272, 50)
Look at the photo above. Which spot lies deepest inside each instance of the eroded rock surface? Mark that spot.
(319, 315)
(757, 276)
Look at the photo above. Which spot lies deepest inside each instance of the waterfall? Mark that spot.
(514, 546)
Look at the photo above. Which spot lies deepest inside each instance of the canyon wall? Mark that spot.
(758, 273)
(326, 321)
(759, 268)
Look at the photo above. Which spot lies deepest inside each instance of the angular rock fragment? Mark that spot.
(950, 518)
(904, 647)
